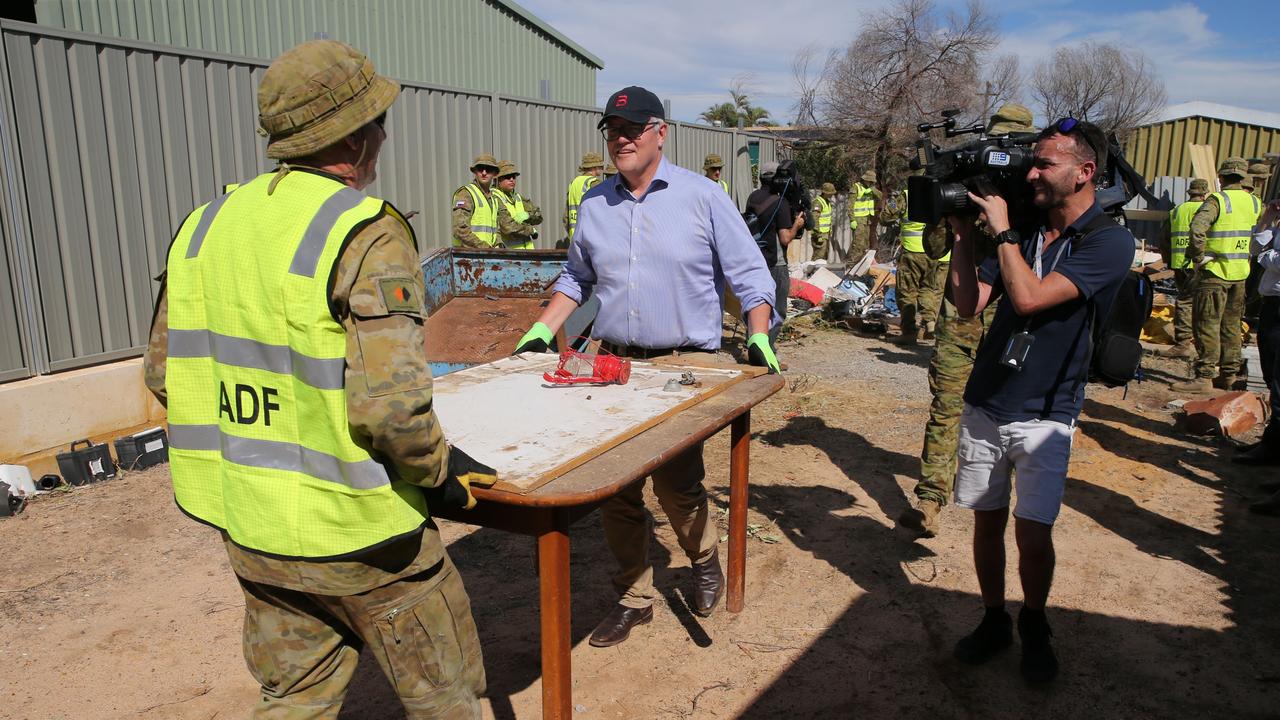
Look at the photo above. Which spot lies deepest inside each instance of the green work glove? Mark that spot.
(760, 354)
(538, 339)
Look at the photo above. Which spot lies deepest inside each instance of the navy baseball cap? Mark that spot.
(632, 103)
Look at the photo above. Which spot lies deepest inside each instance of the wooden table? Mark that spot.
(548, 512)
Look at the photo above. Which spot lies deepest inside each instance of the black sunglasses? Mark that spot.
(1068, 125)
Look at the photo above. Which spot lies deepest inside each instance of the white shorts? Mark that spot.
(988, 453)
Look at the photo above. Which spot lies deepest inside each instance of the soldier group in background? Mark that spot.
(588, 177)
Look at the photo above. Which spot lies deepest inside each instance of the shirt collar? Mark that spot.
(1085, 218)
(661, 179)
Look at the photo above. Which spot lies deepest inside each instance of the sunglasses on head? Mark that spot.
(1068, 125)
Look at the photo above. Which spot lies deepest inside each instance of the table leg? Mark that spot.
(739, 462)
(553, 583)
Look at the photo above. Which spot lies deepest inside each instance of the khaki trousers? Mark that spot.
(683, 498)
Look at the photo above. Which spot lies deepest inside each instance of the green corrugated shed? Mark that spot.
(1159, 149)
(490, 45)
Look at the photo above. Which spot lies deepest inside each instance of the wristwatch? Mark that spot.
(1009, 236)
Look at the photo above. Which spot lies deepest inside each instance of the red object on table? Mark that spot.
(806, 291)
(602, 368)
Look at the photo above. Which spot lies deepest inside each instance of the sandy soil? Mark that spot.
(115, 605)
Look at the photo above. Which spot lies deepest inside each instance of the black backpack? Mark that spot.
(1116, 350)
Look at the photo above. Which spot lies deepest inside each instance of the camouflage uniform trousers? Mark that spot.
(1218, 309)
(303, 647)
(821, 243)
(953, 357)
(1184, 280)
(861, 240)
(919, 290)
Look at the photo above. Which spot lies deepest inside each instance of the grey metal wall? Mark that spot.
(482, 44)
(107, 145)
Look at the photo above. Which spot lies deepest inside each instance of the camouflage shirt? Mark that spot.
(388, 390)
(511, 229)
(463, 206)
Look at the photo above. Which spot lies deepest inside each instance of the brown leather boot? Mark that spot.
(708, 585)
(1194, 385)
(616, 626)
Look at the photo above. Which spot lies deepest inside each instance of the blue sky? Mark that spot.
(690, 51)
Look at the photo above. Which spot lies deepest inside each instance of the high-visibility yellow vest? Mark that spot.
(484, 216)
(911, 235)
(823, 221)
(1227, 246)
(260, 443)
(1180, 232)
(515, 208)
(724, 186)
(573, 198)
(862, 203)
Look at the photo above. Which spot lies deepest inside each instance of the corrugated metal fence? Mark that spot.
(107, 144)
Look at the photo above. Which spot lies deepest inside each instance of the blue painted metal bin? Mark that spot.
(480, 302)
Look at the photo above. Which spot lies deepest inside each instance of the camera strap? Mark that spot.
(777, 205)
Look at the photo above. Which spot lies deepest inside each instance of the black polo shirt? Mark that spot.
(1051, 385)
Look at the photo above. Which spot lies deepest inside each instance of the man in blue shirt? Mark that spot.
(658, 244)
(1027, 387)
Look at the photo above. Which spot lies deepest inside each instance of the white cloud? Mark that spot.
(690, 51)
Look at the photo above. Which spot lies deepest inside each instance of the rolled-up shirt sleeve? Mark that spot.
(579, 275)
(1264, 250)
(740, 259)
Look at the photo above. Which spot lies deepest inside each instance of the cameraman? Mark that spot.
(1050, 279)
(778, 226)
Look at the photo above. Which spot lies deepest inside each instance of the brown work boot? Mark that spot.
(923, 518)
(907, 337)
(1194, 385)
(616, 626)
(1181, 350)
(930, 331)
(708, 585)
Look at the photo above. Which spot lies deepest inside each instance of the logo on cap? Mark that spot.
(622, 100)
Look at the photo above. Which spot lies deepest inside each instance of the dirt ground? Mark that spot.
(115, 605)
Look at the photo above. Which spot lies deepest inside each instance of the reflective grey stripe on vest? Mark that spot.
(913, 233)
(1228, 233)
(202, 227)
(1228, 256)
(319, 373)
(316, 235)
(276, 455)
(483, 228)
(1181, 233)
(1226, 199)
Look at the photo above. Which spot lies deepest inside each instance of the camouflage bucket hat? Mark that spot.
(1199, 186)
(1259, 169)
(484, 160)
(610, 169)
(1010, 118)
(317, 93)
(828, 189)
(1233, 166)
(868, 176)
(712, 162)
(506, 168)
(591, 160)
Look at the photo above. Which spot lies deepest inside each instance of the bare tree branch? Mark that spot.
(1113, 88)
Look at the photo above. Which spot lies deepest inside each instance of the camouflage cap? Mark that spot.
(1260, 169)
(506, 168)
(1199, 187)
(484, 160)
(610, 169)
(828, 189)
(317, 93)
(1010, 118)
(591, 160)
(1236, 166)
(868, 176)
(712, 162)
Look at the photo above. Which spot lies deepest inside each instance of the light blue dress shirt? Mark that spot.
(660, 264)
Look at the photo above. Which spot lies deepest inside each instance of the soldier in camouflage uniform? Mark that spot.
(306, 621)
(1218, 302)
(953, 357)
(861, 225)
(518, 234)
(484, 168)
(1183, 275)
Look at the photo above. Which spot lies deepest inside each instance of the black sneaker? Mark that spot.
(1039, 663)
(993, 634)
